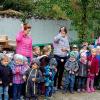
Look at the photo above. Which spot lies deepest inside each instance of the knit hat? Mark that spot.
(18, 57)
(25, 58)
(98, 47)
(35, 60)
(72, 54)
(2, 55)
(74, 46)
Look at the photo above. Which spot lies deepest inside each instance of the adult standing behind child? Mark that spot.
(24, 42)
(61, 48)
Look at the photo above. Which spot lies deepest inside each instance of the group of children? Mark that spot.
(19, 78)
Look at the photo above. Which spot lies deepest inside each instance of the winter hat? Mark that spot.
(2, 55)
(72, 54)
(25, 58)
(18, 57)
(35, 60)
(75, 46)
(98, 47)
(53, 62)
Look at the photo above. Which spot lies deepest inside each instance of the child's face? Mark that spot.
(75, 49)
(72, 58)
(37, 51)
(26, 62)
(98, 51)
(18, 61)
(93, 52)
(5, 61)
(34, 66)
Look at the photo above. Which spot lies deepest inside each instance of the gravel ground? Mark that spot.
(75, 96)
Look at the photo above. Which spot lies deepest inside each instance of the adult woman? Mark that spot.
(61, 48)
(24, 42)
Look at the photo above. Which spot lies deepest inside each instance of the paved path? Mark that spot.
(76, 96)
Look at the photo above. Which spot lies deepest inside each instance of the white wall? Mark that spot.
(42, 31)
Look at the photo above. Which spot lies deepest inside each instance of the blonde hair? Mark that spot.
(47, 48)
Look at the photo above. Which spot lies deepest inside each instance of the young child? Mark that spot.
(76, 50)
(5, 76)
(36, 52)
(47, 75)
(17, 76)
(97, 78)
(32, 77)
(53, 69)
(26, 67)
(92, 70)
(71, 67)
(82, 72)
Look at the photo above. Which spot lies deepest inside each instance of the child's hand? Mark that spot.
(62, 60)
(96, 74)
(10, 84)
(73, 73)
(55, 69)
(0, 82)
(24, 77)
(50, 73)
(33, 79)
(89, 63)
(17, 70)
(70, 72)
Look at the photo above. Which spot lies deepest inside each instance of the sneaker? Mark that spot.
(72, 91)
(78, 90)
(88, 90)
(92, 90)
(83, 90)
(55, 89)
(64, 91)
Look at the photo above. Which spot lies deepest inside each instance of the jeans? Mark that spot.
(69, 80)
(17, 89)
(47, 91)
(81, 82)
(4, 90)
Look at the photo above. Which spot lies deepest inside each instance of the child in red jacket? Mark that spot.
(92, 70)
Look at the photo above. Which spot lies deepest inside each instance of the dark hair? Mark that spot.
(44, 61)
(26, 26)
(65, 30)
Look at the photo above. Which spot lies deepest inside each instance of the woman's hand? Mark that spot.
(33, 79)
(0, 82)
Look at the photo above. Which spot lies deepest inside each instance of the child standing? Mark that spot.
(71, 67)
(32, 77)
(17, 76)
(5, 77)
(92, 70)
(53, 69)
(82, 72)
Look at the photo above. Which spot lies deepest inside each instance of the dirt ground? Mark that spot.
(75, 96)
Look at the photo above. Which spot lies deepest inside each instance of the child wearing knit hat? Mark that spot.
(71, 68)
(5, 76)
(32, 77)
(18, 72)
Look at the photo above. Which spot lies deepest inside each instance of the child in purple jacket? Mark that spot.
(18, 72)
